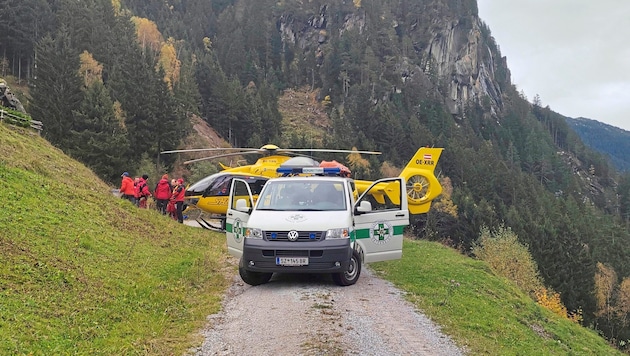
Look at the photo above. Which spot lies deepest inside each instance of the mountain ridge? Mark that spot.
(610, 140)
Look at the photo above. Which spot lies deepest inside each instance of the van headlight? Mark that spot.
(253, 233)
(341, 233)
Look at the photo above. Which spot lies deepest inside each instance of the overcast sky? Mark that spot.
(575, 54)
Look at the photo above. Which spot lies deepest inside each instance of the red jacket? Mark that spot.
(126, 186)
(136, 188)
(163, 190)
(178, 193)
(143, 189)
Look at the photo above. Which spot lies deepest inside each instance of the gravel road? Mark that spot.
(310, 315)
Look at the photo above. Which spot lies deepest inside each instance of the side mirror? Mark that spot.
(241, 205)
(364, 207)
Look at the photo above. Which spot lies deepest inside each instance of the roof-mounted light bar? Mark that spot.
(285, 171)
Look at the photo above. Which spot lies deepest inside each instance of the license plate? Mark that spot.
(292, 261)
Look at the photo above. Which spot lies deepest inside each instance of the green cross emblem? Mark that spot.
(381, 231)
(237, 229)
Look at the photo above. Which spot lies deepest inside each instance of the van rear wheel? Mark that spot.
(351, 275)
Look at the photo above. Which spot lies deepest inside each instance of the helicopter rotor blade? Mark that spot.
(223, 155)
(208, 149)
(266, 149)
(271, 148)
(288, 150)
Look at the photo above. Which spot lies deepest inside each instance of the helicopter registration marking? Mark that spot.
(425, 162)
(220, 201)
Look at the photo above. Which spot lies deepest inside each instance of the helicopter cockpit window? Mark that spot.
(201, 186)
(303, 196)
(220, 186)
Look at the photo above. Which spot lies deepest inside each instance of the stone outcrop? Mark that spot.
(458, 56)
(9, 100)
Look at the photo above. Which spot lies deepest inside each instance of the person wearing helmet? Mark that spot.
(127, 188)
(178, 197)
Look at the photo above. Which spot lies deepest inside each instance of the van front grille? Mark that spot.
(303, 236)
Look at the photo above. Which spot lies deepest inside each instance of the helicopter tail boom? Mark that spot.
(422, 187)
(421, 184)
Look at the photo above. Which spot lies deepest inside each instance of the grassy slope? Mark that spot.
(485, 314)
(82, 272)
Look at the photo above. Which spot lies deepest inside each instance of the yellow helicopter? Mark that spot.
(211, 193)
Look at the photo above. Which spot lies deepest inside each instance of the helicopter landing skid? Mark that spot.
(218, 226)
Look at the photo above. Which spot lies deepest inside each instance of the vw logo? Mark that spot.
(293, 235)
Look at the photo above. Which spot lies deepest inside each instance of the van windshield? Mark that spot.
(302, 195)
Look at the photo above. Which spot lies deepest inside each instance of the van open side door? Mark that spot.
(240, 204)
(380, 216)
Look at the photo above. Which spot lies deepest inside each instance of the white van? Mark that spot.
(315, 224)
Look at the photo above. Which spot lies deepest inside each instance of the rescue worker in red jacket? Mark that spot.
(162, 193)
(136, 190)
(127, 188)
(178, 197)
(143, 191)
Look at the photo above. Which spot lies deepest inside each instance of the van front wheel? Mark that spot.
(254, 278)
(351, 275)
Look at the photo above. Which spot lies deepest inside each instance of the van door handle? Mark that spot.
(400, 215)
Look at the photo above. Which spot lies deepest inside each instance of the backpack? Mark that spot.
(163, 190)
(141, 188)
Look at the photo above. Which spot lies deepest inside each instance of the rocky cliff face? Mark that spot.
(449, 46)
(458, 54)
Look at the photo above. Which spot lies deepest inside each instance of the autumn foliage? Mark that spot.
(151, 40)
(91, 70)
(612, 298)
(509, 258)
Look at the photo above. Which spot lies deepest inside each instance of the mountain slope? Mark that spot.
(83, 272)
(609, 140)
(484, 313)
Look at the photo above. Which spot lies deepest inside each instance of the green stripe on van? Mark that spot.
(365, 233)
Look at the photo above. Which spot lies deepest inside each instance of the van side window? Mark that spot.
(381, 201)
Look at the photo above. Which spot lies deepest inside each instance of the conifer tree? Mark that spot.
(56, 91)
(98, 137)
(22, 24)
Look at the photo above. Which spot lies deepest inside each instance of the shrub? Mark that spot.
(511, 259)
(508, 258)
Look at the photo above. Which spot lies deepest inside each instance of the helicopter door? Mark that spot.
(236, 220)
(379, 225)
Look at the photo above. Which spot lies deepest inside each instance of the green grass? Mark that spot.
(483, 313)
(85, 273)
